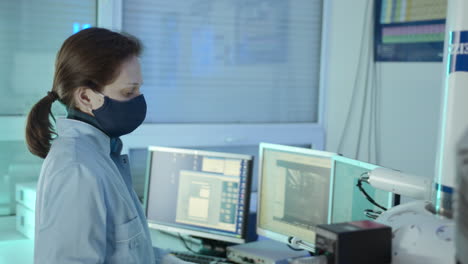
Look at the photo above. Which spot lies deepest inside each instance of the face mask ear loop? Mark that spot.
(103, 96)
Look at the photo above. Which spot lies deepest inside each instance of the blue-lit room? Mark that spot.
(233, 131)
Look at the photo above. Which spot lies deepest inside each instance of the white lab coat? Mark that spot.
(86, 208)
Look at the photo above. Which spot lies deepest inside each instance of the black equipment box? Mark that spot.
(354, 242)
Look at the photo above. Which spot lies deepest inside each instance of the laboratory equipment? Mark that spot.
(413, 186)
(419, 235)
(354, 242)
(263, 252)
(461, 202)
(424, 230)
(198, 258)
(454, 123)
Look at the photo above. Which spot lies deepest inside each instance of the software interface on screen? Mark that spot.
(294, 193)
(199, 191)
(349, 203)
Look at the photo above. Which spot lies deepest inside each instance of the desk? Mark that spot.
(171, 242)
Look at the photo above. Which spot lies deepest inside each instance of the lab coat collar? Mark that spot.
(74, 128)
(84, 117)
(75, 114)
(116, 146)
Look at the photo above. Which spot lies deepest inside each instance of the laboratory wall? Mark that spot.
(397, 125)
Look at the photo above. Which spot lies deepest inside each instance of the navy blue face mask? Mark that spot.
(118, 118)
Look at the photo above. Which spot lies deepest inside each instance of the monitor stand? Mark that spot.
(213, 247)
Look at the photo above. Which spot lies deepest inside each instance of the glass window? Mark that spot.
(225, 61)
(228, 61)
(31, 34)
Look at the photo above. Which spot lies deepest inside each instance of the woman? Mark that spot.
(86, 208)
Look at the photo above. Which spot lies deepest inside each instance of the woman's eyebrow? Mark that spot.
(131, 86)
(134, 83)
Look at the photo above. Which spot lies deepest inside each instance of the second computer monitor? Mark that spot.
(294, 191)
(200, 193)
(349, 203)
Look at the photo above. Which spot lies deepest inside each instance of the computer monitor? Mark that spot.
(200, 193)
(348, 202)
(294, 187)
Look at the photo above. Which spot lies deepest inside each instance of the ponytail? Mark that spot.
(39, 129)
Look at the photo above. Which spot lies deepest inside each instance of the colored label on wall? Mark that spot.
(458, 51)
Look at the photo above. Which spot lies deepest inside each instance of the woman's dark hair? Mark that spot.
(91, 58)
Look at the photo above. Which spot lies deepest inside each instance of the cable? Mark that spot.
(372, 109)
(370, 211)
(299, 244)
(372, 116)
(363, 75)
(185, 244)
(367, 85)
(373, 217)
(373, 119)
(371, 96)
(353, 97)
(293, 248)
(363, 112)
(372, 214)
(359, 185)
(377, 98)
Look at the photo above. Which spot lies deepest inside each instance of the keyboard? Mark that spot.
(197, 258)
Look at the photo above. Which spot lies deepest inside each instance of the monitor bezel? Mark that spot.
(309, 152)
(188, 230)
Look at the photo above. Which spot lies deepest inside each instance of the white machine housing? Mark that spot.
(394, 181)
(419, 236)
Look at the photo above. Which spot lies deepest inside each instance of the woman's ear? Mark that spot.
(87, 100)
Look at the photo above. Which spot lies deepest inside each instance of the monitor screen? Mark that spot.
(200, 193)
(294, 192)
(349, 203)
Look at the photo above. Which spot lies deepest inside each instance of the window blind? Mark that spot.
(228, 61)
(31, 33)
